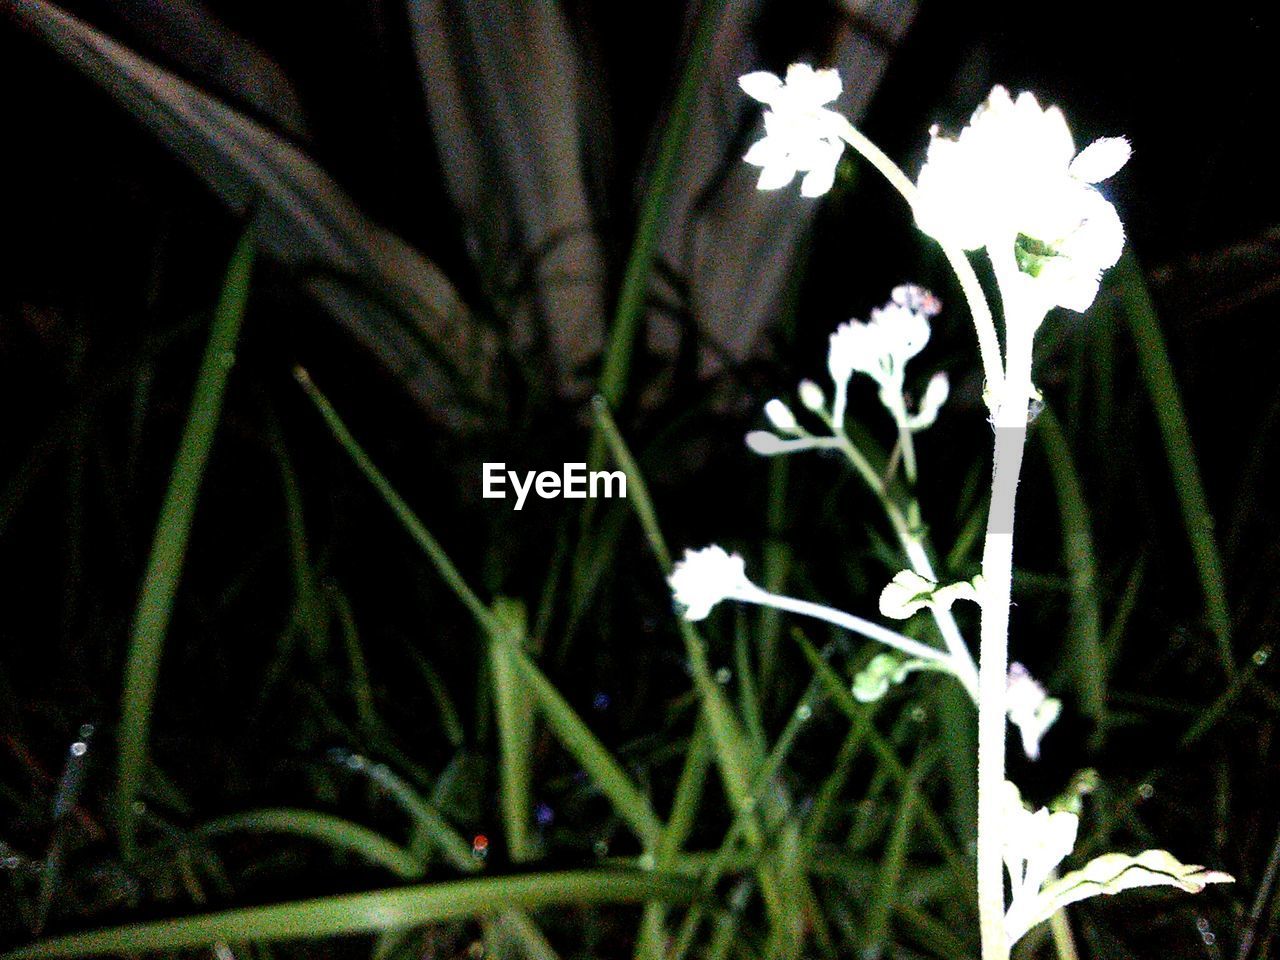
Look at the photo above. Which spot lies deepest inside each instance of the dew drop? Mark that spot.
(1261, 656)
(723, 676)
(804, 712)
(86, 731)
(1146, 791)
(647, 861)
(601, 848)
(79, 748)
(479, 846)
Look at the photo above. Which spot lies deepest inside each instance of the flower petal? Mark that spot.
(1101, 159)
(765, 152)
(777, 175)
(818, 180)
(762, 85)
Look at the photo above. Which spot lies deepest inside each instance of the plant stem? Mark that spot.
(988, 343)
(1010, 421)
(848, 621)
(918, 557)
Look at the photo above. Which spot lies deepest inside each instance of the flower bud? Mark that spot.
(781, 417)
(811, 396)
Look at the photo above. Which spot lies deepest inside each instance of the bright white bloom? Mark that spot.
(801, 134)
(705, 577)
(1030, 708)
(881, 347)
(1012, 182)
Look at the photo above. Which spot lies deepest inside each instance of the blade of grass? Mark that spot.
(628, 801)
(361, 688)
(684, 810)
(635, 281)
(169, 545)
(325, 828)
(430, 828)
(370, 912)
(450, 720)
(1113, 641)
(860, 715)
(1157, 371)
(1083, 649)
(514, 711)
(430, 546)
(834, 783)
(734, 754)
(885, 894)
(310, 613)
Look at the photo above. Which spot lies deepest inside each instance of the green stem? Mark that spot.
(169, 545)
(917, 556)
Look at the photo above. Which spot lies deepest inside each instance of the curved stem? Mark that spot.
(848, 621)
(918, 557)
(988, 342)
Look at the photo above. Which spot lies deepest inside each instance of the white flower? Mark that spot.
(881, 347)
(1030, 709)
(705, 577)
(801, 134)
(1012, 182)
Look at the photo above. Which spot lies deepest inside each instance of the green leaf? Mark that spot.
(1084, 640)
(370, 912)
(514, 710)
(1157, 370)
(334, 831)
(169, 545)
(1107, 875)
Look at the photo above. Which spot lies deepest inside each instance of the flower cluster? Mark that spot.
(878, 348)
(706, 577)
(1012, 182)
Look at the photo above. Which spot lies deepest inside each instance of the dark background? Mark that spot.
(111, 256)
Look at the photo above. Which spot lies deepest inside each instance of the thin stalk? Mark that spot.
(169, 545)
(872, 631)
(917, 556)
(988, 342)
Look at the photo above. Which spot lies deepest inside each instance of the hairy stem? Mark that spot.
(1010, 421)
